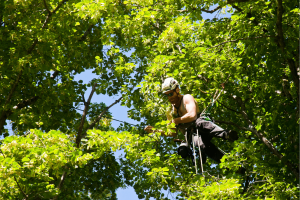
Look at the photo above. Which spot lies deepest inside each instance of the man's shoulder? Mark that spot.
(188, 97)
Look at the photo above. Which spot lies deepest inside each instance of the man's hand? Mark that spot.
(176, 121)
(148, 129)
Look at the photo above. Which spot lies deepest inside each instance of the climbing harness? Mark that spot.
(184, 148)
(185, 151)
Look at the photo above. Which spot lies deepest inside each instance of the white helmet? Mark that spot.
(169, 84)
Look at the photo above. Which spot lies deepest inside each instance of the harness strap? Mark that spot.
(179, 106)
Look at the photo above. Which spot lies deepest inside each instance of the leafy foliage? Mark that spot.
(133, 46)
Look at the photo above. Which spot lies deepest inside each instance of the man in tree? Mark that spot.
(185, 114)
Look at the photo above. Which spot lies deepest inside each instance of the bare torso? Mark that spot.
(182, 108)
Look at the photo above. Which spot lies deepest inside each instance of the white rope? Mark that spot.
(194, 155)
(200, 153)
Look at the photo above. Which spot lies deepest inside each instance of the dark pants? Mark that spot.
(207, 130)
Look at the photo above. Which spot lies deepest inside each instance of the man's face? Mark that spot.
(172, 96)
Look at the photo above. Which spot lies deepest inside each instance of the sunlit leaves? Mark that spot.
(138, 43)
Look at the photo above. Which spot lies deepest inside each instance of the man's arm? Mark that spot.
(191, 109)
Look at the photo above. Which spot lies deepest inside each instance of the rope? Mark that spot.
(215, 98)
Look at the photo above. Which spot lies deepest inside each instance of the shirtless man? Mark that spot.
(186, 109)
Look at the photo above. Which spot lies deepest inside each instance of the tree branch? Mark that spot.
(268, 144)
(83, 99)
(237, 8)
(263, 139)
(291, 62)
(62, 179)
(86, 107)
(160, 30)
(24, 194)
(5, 112)
(207, 11)
(212, 11)
(103, 112)
(53, 76)
(232, 123)
(279, 24)
(178, 47)
(86, 33)
(26, 102)
(46, 7)
(295, 75)
(59, 5)
(237, 1)
(45, 24)
(13, 88)
(227, 107)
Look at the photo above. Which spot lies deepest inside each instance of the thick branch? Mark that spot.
(86, 108)
(269, 144)
(263, 138)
